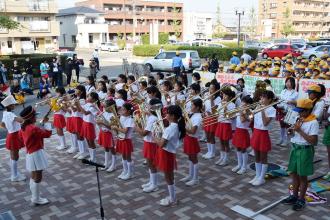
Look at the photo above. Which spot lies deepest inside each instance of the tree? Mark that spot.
(176, 24)
(287, 28)
(7, 23)
(218, 27)
(251, 27)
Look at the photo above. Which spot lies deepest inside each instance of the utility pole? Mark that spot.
(239, 26)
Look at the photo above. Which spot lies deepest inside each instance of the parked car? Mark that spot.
(317, 43)
(215, 45)
(281, 50)
(257, 45)
(109, 46)
(298, 41)
(163, 61)
(303, 47)
(70, 54)
(315, 52)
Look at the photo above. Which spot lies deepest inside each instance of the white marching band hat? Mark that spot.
(9, 100)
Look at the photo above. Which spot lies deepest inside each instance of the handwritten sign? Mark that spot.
(206, 77)
(228, 78)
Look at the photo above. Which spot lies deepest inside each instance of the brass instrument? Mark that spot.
(290, 129)
(115, 121)
(139, 117)
(260, 109)
(210, 95)
(234, 112)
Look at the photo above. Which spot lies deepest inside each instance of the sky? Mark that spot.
(227, 7)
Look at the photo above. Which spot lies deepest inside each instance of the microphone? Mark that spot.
(84, 161)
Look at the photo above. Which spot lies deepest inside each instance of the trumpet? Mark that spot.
(261, 108)
(210, 95)
(243, 109)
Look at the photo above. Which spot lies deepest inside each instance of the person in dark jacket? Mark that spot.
(28, 68)
(68, 70)
(93, 68)
(76, 66)
(214, 64)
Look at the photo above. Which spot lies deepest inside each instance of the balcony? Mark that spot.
(140, 28)
(34, 29)
(92, 28)
(144, 14)
(29, 6)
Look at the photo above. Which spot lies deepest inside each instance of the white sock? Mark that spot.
(13, 168)
(92, 154)
(221, 155)
(125, 166)
(130, 168)
(81, 146)
(264, 168)
(191, 169)
(171, 190)
(106, 159)
(285, 135)
(74, 141)
(153, 179)
(195, 177)
(208, 148)
(245, 158)
(225, 155)
(258, 169)
(62, 140)
(282, 134)
(212, 146)
(113, 160)
(85, 145)
(239, 158)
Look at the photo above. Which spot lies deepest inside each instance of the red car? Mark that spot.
(281, 50)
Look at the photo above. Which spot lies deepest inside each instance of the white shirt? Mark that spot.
(119, 102)
(93, 112)
(76, 113)
(127, 122)
(12, 126)
(221, 117)
(95, 54)
(258, 123)
(208, 104)
(179, 97)
(60, 112)
(102, 95)
(171, 134)
(133, 89)
(318, 108)
(151, 119)
(288, 95)
(310, 128)
(189, 103)
(240, 124)
(89, 89)
(196, 121)
(165, 101)
(119, 86)
(107, 116)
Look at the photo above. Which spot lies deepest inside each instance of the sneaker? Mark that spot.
(224, 162)
(127, 176)
(251, 153)
(167, 202)
(280, 142)
(18, 178)
(235, 169)
(76, 156)
(61, 147)
(186, 179)
(259, 182)
(83, 156)
(291, 200)
(145, 185)
(121, 175)
(253, 180)
(209, 156)
(218, 161)
(284, 144)
(71, 150)
(241, 171)
(205, 155)
(192, 183)
(299, 205)
(150, 188)
(327, 176)
(40, 201)
(145, 162)
(111, 169)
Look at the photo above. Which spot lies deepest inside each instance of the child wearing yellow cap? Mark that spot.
(326, 142)
(315, 93)
(305, 137)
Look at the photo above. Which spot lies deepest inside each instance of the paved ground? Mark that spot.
(72, 190)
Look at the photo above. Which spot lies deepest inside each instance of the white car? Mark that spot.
(315, 52)
(111, 47)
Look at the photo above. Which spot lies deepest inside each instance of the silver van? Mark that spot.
(163, 61)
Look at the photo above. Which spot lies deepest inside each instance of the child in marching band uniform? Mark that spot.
(70, 127)
(179, 93)
(300, 165)
(315, 93)
(168, 143)
(224, 129)
(241, 137)
(90, 87)
(211, 104)
(36, 159)
(105, 139)
(166, 93)
(14, 142)
(124, 144)
(149, 146)
(133, 87)
(260, 140)
(89, 111)
(190, 142)
(120, 98)
(121, 81)
(59, 120)
(102, 90)
(195, 90)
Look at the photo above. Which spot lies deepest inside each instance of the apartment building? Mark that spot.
(197, 26)
(38, 30)
(310, 18)
(134, 17)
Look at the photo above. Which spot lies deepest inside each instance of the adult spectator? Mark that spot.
(28, 68)
(44, 68)
(246, 57)
(76, 66)
(68, 70)
(60, 72)
(177, 66)
(93, 68)
(16, 71)
(234, 59)
(3, 78)
(214, 64)
(161, 50)
(53, 69)
(96, 58)
(43, 88)
(25, 86)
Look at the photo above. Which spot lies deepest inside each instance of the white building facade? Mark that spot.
(197, 26)
(82, 27)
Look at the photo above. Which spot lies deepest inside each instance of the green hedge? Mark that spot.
(35, 59)
(221, 53)
(162, 38)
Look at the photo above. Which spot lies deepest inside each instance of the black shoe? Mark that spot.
(299, 205)
(291, 200)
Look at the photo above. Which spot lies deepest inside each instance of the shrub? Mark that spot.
(162, 38)
(204, 52)
(145, 39)
(231, 44)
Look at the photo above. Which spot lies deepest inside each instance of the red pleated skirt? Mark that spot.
(241, 138)
(88, 131)
(165, 161)
(224, 131)
(77, 125)
(14, 141)
(59, 121)
(149, 150)
(210, 128)
(105, 139)
(124, 147)
(260, 140)
(70, 124)
(190, 145)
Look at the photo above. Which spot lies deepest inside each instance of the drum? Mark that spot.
(291, 117)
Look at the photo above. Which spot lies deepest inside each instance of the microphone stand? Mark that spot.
(99, 189)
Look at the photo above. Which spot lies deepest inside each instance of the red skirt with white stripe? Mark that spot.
(224, 131)
(105, 139)
(88, 131)
(14, 141)
(70, 124)
(210, 128)
(190, 145)
(124, 147)
(149, 150)
(77, 125)
(59, 121)
(260, 140)
(241, 138)
(165, 161)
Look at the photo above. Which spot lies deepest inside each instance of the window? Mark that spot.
(273, 5)
(272, 15)
(90, 38)
(281, 47)
(194, 55)
(170, 55)
(161, 56)
(274, 47)
(74, 40)
(9, 44)
(320, 49)
(64, 39)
